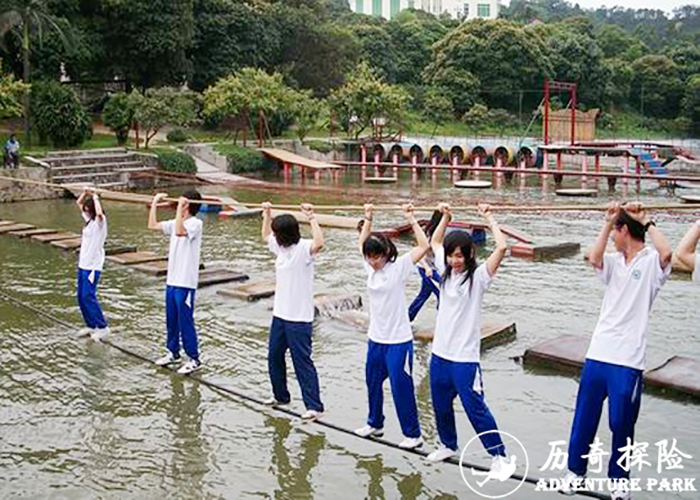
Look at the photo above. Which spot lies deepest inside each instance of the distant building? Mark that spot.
(458, 9)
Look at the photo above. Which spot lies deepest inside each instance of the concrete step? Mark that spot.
(97, 167)
(84, 152)
(90, 159)
(99, 177)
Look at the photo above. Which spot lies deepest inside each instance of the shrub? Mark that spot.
(57, 115)
(175, 161)
(320, 146)
(177, 135)
(118, 114)
(244, 160)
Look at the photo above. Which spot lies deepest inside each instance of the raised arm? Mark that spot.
(99, 213)
(439, 233)
(81, 199)
(686, 248)
(639, 213)
(496, 257)
(316, 233)
(367, 227)
(182, 207)
(596, 256)
(267, 220)
(418, 252)
(153, 223)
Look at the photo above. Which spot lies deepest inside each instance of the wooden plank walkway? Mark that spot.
(294, 159)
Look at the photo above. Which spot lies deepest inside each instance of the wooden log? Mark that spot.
(324, 220)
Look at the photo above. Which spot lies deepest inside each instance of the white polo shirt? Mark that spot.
(183, 256)
(696, 269)
(620, 337)
(388, 314)
(92, 244)
(458, 326)
(294, 284)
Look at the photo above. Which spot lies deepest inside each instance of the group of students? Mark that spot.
(633, 276)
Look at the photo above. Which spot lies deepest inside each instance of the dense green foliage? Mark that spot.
(244, 160)
(118, 114)
(58, 116)
(171, 160)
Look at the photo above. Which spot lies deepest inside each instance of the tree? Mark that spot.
(307, 113)
(619, 81)
(59, 117)
(460, 86)
(656, 87)
(367, 100)
(691, 103)
(11, 94)
(376, 47)
(437, 105)
(118, 114)
(163, 106)
(21, 17)
(616, 42)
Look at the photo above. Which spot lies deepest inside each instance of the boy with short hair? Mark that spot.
(185, 233)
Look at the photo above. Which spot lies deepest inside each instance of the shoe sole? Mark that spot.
(412, 447)
(369, 436)
(311, 419)
(190, 371)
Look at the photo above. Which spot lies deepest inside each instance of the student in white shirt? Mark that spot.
(185, 233)
(615, 360)
(390, 346)
(686, 250)
(454, 365)
(90, 263)
(293, 312)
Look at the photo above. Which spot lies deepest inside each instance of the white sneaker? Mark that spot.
(571, 483)
(271, 401)
(100, 333)
(622, 493)
(168, 359)
(311, 415)
(369, 431)
(497, 463)
(84, 332)
(442, 453)
(189, 367)
(411, 443)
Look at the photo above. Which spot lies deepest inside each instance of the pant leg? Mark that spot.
(592, 392)
(81, 294)
(92, 305)
(299, 339)
(470, 387)
(624, 399)
(172, 320)
(186, 319)
(276, 364)
(375, 375)
(435, 287)
(400, 367)
(443, 393)
(422, 297)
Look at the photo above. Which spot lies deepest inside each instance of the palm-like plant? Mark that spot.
(22, 17)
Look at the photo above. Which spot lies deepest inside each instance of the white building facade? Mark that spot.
(458, 9)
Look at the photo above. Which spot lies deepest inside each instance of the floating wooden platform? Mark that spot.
(381, 180)
(67, 244)
(324, 220)
(15, 227)
(690, 198)
(250, 291)
(31, 232)
(330, 305)
(577, 192)
(7, 222)
(119, 249)
(679, 375)
(47, 238)
(544, 252)
(688, 185)
(360, 319)
(216, 276)
(472, 184)
(492, 334)
(135, 258)
(155, 268)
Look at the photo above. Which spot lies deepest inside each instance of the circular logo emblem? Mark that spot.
(502, 470)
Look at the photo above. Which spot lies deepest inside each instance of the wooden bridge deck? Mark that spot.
(294, 159)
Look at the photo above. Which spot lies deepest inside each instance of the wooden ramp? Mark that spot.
(31, 232)
(492, 334)
(216, 276)
(250, 291)
(135, 258)
(294, 159)
(49, 237)
(8, 228)
(324, 220)
(67, 244)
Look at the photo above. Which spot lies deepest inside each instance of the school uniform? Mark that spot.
(292, 322)
(615, 360)
(390, 346)
(90, 264)
(454, 365)
(181, 283)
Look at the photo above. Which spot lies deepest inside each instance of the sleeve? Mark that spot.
(482, 277)
(404, 267)
(168, 227)
(661, 274)
(608, 265)
(193, 228)
(272, 244)
(365, 265)
(305, 249)
(696, 269)
(440, 259)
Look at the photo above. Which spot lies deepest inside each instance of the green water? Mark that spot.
(80, 420)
